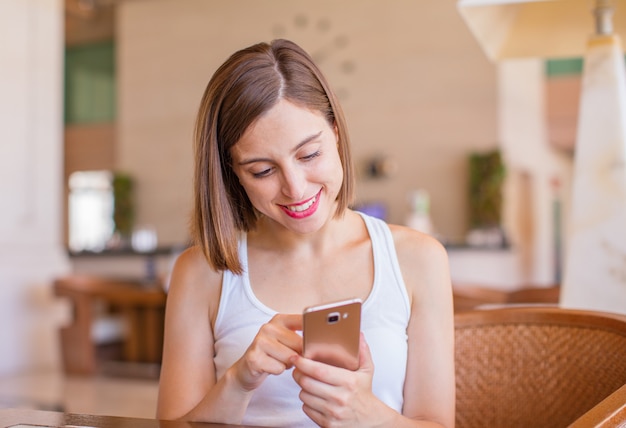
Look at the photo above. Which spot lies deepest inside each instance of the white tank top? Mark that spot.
(384, 322)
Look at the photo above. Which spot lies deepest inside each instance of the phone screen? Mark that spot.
(331, 333)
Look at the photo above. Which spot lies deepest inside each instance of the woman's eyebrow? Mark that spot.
(307, 140)
(295, 149)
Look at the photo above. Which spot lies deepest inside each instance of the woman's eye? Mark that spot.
(311, 156)
(261, 174)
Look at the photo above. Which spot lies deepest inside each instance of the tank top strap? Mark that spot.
(387, 272)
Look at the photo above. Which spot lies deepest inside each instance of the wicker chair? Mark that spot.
(540, 367)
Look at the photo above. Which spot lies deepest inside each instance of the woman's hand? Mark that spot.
(271, 351)
(335, 397)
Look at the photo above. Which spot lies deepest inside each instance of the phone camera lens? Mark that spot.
(333, 318)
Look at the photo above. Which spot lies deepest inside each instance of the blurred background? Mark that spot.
(98, 104)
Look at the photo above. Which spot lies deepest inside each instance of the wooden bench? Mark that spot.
(141, 305)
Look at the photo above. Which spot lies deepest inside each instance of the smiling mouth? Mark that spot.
(302, 207)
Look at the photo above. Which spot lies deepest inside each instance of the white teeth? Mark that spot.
(303, 207)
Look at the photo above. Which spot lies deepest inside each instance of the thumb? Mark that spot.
(365, 356)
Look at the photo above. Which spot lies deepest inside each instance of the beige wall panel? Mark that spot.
(31, 250)
(89, 147)
(563, 100)
(415, 87)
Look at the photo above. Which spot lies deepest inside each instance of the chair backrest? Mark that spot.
(535, 366)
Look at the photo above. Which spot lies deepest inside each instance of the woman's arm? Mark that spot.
(187, 371)
(188, 387)
(429, 389)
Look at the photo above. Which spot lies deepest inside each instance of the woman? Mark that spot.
(275, 234)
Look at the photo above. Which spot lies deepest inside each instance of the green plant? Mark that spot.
(123, 206)
(486, 176)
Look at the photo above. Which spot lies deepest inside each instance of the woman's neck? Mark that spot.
(270, 235)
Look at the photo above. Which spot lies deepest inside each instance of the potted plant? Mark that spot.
(123, 207)
(486, 177)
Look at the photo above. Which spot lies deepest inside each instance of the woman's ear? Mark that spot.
(336, 130)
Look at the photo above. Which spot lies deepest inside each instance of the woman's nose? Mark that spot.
(293, 183)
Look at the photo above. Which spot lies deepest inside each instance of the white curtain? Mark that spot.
(595, 264)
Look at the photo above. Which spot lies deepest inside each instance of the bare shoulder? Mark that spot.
(423, 261)
(192, 264)
(414, 247)
(193, 279)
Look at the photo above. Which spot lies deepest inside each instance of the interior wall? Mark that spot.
(414, 84)
(534, 166)
(31, 249)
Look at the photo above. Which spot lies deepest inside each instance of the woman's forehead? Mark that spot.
(285, 123)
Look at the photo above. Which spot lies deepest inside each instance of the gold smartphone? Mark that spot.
(331, 333)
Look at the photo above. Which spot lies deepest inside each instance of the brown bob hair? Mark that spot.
(247, 85)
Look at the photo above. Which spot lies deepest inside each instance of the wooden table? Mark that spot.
(40, 419)
(143, 306)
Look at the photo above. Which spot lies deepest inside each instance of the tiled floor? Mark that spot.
(99, 395)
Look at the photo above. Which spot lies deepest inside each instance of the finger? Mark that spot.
(314, 415)
(322, 411)
(286, 334)
(365, 355)
(277, 342)
(318, 379)
(316, 370)
(313, 401)
(257, 363)
(291, 321)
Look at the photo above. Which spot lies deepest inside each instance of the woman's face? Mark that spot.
(288, 163)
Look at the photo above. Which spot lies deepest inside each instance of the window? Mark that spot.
(90, 210)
